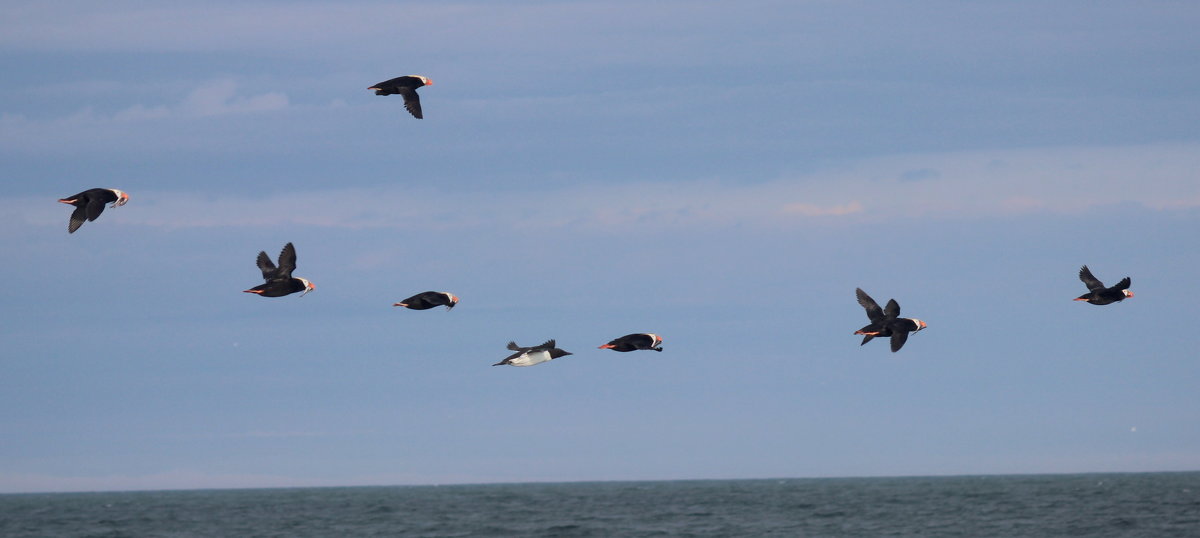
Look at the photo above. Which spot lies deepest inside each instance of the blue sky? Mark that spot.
(723, 177)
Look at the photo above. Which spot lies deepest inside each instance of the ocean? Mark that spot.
(1092, 505)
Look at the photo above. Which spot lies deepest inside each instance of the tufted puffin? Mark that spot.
(89, 204)
(279, 280)
(429, 299)
(406, 86)
(886, 321)
(636, 341)
(1098, 294)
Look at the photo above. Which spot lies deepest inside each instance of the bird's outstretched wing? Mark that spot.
(874, 313)
(77, 218)
(512, 346)
(892, 310)
(266, 266)
(412, 101)
(547, 345)
(287, 261)
(898, 339)
(866, 339)
(1088, 280)
(95, 207)
(1123, 284)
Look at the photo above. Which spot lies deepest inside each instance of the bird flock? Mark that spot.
(278, 280)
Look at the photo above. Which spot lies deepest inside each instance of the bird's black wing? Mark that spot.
(866, 339)
(547, 345)
(1123, 284)
(512, 346)
(874, 313)
(389, 84)
(266, 266)
(898, 339)
(412, 102)
(77, 218)
(287, 261)
(509, 358)
(892, 310)
(1088, 280)
(95, 206)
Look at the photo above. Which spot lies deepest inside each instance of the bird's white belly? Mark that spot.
(531, 358)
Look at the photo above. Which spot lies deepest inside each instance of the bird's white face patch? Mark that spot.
(424, 80)
(1127, 293)
(121, 198)
(920, 324)
(656, 340)
(308, 286)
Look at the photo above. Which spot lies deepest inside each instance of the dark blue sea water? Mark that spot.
(1093, 505)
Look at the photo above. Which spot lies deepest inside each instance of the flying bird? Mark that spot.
(634, 342)
(886, 321)
(529, 356)
(89, 204)
(1098, 294)
(406, 86)
(279, 280)
(429, 299)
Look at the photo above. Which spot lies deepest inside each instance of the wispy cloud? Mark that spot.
(175, 479)
(214, 98)
(965, 185)
(140, 126)
(195, 479)
(810, 210)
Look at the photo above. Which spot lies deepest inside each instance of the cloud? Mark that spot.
(810, 210)
(175, 479)
(135, 126)
(214, 98)
(1000, 183)
(195, 479)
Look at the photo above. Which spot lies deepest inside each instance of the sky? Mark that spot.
(722, 177)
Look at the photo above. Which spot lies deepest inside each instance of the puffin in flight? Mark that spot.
(429, 299)
(280, 281)
(1098, 294)
(406, 86)
(886, 321)
(89, 204)
(529, 356)
(634, 342)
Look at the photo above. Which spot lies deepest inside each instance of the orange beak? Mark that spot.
(399, 304)
(606, 346)
(66, 201)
